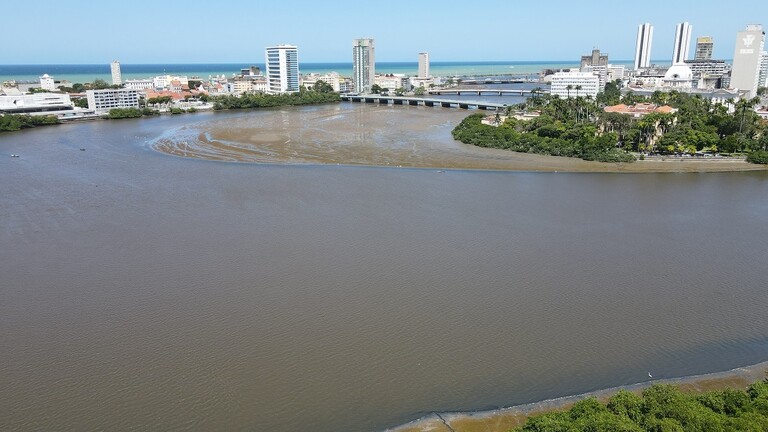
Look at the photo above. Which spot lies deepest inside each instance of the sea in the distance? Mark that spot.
(81, 73)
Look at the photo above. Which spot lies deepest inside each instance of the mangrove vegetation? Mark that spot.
(15, 122)
(261, 100)
(662, 408)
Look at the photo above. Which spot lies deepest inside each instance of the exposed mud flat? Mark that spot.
(353, 134)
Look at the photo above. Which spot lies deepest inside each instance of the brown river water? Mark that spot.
(150, 292)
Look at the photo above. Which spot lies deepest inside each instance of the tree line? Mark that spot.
(662, 408)
(260, 100)
(578, 127)
(542, 137)
(15, 122)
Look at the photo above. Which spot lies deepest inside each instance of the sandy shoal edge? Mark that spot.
(502, 420)
(521, 162)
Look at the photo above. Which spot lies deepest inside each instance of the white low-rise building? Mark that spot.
(15, 102)
(616, 72)
(260, 84)
(573, 84)
(101, 101)
(332, 78)
(47, 83)
(678, 76)
(392, 81)
(242, 85)
(138, 84)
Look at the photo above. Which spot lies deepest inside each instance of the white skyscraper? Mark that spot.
(746, 59)
(643, 48)
(282, 63)
(423, 65)
(117, 76)
(363, 64)
(682, 43)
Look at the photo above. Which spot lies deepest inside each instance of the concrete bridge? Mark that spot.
(498, 80)
(483, 91)
(416, 101)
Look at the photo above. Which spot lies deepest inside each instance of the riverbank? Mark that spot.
(385, 136)
(502, 420)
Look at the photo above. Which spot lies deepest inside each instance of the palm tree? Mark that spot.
(568, 88)
(535, 93)
(589, 102)
(744, 104)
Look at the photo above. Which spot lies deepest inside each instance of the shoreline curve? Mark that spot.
(504, 419)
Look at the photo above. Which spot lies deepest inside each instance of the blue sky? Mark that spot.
(194, 31)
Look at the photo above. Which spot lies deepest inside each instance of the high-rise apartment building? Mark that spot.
(363, 64)
(746, 59)
(423, 65)
(682, 43)
(117, 76)
(762, 81)
(704, 47)
(282, 63)
(643, 48)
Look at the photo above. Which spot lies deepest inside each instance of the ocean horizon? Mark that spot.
(82, 73)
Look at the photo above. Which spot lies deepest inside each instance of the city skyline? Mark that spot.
(500, 31)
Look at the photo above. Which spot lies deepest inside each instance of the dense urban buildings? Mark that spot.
(117, 76)
(363, 64)
(682, 43)
(704, 46)
(423, 65)
(643, 48)
(282, 63)
(746, 59)
(101, 101)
